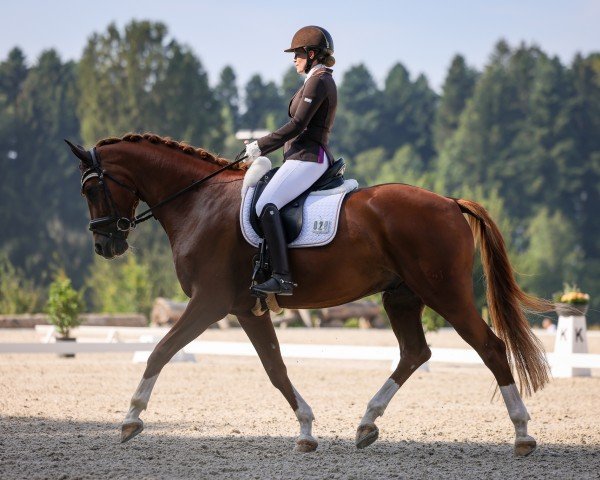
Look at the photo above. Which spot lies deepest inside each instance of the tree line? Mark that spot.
(520, 136)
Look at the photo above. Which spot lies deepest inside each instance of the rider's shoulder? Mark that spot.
(320, 79)
(323, 74)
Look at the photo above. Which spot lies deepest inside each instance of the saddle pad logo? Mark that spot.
(321, 227)
(308, 100)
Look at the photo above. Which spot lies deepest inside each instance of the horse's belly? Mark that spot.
(336, 275)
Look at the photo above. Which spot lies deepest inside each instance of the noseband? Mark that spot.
(116, 225)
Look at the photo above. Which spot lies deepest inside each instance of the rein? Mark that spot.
(124, 224)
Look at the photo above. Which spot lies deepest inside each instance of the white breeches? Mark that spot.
(292, 178)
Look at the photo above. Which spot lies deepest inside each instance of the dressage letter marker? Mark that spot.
(571, 338)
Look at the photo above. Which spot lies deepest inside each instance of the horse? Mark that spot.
(412, 245)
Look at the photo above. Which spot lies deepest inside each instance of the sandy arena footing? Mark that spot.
(221, 418)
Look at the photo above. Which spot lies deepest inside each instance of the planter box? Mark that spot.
(66, 339)
(571, 309)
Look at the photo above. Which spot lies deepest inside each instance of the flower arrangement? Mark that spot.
(572, 294)
(575, 297)
(571, 301)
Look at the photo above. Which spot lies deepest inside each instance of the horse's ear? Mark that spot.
(80, 152)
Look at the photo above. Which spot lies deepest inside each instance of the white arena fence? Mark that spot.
(112, 343)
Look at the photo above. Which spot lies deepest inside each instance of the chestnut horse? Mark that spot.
(411, 244)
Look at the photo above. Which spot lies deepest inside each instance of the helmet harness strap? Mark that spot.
(309, 61)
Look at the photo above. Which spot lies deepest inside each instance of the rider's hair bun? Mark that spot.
(328, 61)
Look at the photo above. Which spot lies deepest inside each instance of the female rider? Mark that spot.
(304, 139)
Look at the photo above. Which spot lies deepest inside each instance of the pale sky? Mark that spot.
(250, 36)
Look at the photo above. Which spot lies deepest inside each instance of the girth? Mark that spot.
(291, 214)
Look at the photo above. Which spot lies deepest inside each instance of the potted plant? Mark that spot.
(63, 307)
(571, 301)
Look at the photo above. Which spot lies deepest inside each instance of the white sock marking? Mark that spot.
(140, 399)
(380, 401)
(304, 415)
(516, 409)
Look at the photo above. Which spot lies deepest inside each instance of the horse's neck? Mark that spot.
(160, 174)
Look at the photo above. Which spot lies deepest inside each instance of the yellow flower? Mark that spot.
(575, 297)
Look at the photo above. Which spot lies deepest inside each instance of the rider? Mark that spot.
(304, 139)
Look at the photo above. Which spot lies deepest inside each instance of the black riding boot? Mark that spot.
(281, 281)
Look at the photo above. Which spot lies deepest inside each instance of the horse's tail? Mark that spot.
(506, 301)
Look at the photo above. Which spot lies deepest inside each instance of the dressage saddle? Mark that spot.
(291, 214)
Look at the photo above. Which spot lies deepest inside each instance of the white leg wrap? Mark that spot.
(305, 416)
(380, 401)
(140, 398)
(516, 409)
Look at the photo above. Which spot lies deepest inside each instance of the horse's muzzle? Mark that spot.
(110, 247)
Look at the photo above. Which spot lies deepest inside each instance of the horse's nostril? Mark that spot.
(98, 248)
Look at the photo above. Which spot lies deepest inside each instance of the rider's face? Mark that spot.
(300, 59)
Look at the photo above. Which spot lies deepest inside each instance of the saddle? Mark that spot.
(291, 214)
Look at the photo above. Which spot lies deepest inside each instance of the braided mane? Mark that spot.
(184, 147)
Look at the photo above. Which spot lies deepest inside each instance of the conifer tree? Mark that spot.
(139, 80)
(227, 95)
(264, 106)
(43, 223)
(290, 83)
(457, 89)
(13, 72)
(357, 117)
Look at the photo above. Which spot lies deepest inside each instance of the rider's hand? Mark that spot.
(252, 152)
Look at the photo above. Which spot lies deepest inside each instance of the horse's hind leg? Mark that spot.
(198, 316)
(262, 335)
(492, 350)
(404, 310)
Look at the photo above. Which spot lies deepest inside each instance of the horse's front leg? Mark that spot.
(198, 316)
(262, 335)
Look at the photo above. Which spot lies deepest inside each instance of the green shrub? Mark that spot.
(17, 294)
(64, 305)
(121, 285)
(431, 320)
(352, 323)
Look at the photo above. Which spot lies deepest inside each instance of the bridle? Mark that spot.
(116, 225)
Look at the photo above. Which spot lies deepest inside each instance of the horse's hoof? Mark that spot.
(366, 435)
(305, 445)
(131, 429)
(524, 446)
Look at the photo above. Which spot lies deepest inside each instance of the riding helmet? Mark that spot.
(312, 36)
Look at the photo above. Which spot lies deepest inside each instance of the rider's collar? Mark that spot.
(315, 67)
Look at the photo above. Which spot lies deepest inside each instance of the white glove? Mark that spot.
(252, 152)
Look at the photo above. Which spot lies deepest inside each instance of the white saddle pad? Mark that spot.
(321, 214)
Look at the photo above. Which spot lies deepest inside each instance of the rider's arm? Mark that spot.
(313, 95)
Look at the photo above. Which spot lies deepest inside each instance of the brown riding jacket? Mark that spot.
(312, 111)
